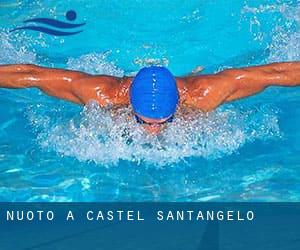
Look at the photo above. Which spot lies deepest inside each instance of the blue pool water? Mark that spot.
(52, 150)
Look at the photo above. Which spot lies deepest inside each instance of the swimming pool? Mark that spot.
(248, 150)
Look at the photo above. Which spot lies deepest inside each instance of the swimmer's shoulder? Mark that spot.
(104, 89)
(205, 92)
(191, 85)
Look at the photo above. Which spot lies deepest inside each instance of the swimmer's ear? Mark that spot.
(196, 71)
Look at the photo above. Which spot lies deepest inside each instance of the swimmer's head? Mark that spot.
(154, 95)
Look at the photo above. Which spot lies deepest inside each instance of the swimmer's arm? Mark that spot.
(54, 82)
(74, 86)
(255, 79)
(207, 92)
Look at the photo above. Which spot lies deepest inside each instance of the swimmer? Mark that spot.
(154, 93)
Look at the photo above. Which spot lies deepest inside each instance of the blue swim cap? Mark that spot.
(154, 93)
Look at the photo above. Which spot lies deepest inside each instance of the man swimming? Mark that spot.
(153, 93)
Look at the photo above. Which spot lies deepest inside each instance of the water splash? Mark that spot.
(143, 62)
(285, 36)
(95, 63)
(12, 51)
(264, 8)
(106, 136)
(285, 45)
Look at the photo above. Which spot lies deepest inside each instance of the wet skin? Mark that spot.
(203, 92)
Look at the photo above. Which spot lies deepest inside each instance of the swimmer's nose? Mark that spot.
(153, 129)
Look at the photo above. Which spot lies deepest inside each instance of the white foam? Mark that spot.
(12, 51)
(285, 44)
(95, 63)
(106, 136)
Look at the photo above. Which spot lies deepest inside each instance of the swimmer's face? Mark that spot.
(153, 126)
